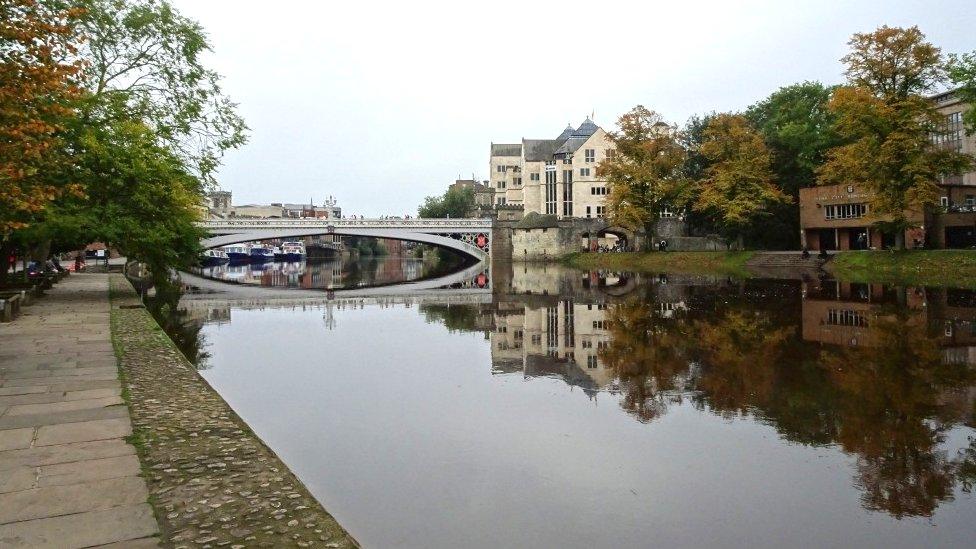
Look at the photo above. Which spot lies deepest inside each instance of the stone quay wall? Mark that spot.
(212, 481)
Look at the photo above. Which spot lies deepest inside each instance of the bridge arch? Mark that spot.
(434, 232)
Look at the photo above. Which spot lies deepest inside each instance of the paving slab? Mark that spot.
(38, 456)
(88, 470)
(66, 406)
(83, 431)
(53, 501)
(69, 416)
(115, 525)
(15, 439)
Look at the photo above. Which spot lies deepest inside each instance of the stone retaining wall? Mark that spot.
(212, 481)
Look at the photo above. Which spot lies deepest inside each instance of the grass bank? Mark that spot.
(955, 268)
(728, 263)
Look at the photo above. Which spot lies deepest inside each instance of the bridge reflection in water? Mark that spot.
(868, 390)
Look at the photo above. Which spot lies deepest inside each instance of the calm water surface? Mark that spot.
(572, 409)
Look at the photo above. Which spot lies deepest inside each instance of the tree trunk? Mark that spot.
(5, 250)
(740, 242)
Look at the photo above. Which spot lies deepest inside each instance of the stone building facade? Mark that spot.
(553, 176)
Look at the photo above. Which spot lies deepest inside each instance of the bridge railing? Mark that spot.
(469, 224)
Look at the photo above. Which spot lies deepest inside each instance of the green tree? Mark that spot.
(738, 186)
(456, 202)
(144, 63)
(646, 172)
(887, 123)
(798, 129)
(151, 127)
(140, 198)
(962, 73)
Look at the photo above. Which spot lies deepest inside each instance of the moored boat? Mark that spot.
(214, 257)
(238, 252)
(261, 252)
(293, 251)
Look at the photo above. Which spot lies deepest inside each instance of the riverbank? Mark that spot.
(212, 481)
(728, 263)
(956, 268)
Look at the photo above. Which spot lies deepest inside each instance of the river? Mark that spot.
(551, 407)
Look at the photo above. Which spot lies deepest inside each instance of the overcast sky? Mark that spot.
(383, 104)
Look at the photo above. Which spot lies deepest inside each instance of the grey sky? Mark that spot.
(382, 104)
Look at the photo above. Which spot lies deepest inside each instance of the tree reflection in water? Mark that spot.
(181, 325)
(889, 404)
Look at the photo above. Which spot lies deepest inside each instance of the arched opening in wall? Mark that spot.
(612, 239)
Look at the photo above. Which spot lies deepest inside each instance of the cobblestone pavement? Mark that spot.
(213, 482)
(68, 478)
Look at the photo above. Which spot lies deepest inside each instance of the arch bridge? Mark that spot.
(467, 236)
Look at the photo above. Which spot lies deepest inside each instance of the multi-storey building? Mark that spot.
(553, 176)
(839, 217)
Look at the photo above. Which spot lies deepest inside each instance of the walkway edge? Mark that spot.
(212, 481)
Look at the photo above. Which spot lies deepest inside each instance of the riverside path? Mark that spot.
(68, 478)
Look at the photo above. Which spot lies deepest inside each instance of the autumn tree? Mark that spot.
(738, 185)
(151, 125)
(37, 87)
(962, 73)
(886, 124)
(646, 172)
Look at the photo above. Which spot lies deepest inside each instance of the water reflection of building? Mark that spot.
(844, 313)
(558, 339)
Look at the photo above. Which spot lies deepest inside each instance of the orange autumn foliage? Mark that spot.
(38, 73)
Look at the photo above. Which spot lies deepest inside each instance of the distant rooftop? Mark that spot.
(506, 149)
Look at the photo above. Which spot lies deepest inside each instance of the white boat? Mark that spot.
(293, 251)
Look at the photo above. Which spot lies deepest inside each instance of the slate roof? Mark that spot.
(566, 133)
(539, 150)
(506, 149)
(586, 129)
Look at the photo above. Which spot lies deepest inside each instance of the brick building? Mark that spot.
(839, 217)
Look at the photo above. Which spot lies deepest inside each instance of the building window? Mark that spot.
(569, 325)
(590, 155)
(600, 191)
(533, 177)
(944, 201)
(601, 211)
(550, 193)
(584, 172)
(501, 185)
(837, 317)
(611, 154)
(500, 169)
(501, 200)
(971, 199)
(591, 362)
(552, 328)
(587, 211)
(568, 160)
(517, 181)
(568, 193)
(845, 211)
